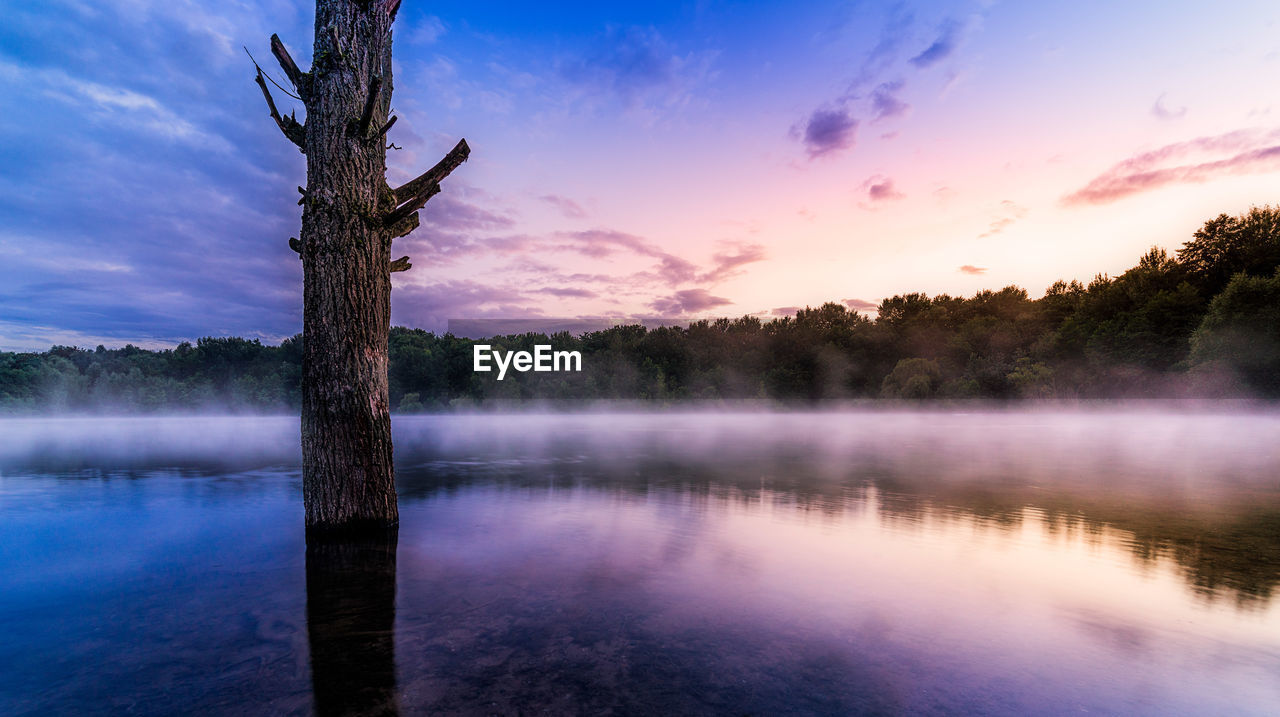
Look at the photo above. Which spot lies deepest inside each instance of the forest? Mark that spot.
(1204, 322)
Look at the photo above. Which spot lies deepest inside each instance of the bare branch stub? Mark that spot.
(300, 80)
(451, 161)
(382, 132)
(370, 103)
(392, 7)
(295, 245)
(413, 205)
(405, 226)
(288, 125)
(401, 264)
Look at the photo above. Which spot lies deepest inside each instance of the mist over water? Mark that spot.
(1114, 559)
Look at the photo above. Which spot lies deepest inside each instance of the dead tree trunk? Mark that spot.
(350, 217)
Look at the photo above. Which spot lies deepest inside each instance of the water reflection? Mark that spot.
(351, 607)
(1224, 539)
(814, 564)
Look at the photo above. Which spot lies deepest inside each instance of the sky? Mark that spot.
(628, 159)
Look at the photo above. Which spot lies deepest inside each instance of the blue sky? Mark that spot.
(628, 159)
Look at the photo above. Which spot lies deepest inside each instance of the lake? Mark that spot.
(1109, 559)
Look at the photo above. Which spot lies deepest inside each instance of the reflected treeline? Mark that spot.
(351, 608)
(1186, 484)
(1225, 540)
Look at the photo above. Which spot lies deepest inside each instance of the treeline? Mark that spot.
(1202, 323)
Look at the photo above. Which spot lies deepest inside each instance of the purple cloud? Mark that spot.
(726, 265)
(449, 211)
(599, 243)
(688, 301)
(828, 131)
(431, 306)
(566, 293)
(885, 103)
(673, 270)
(880, 189)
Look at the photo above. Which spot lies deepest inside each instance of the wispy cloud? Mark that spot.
(948, 39)
(872, 91)
(566, 292)
(427, 30)
(1162, 111)
(1007, 213)
(885, 103)
(433, 304)
(728, 264)
(639, 67)
(122, 107)
(971, 269)
(569, 208)
(861, 305)
(1240, 152)
(688, 301)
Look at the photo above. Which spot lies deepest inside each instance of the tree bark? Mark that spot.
(350, 217)
(348, 479)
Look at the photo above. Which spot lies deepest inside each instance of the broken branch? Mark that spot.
(412, 205)
(289, 125)
(295, 245)
(405, 226)
(369, 104)
(296, 76)
(413, 187)
(401, 264)
(382, 132)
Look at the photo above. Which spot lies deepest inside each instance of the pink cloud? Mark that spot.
(569, 208)
(1246, 152)
(860, 305)
(880, 189)
(1009, 213)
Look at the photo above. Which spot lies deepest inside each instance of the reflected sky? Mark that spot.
(1112, 561)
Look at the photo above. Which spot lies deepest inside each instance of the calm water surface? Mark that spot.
(1108, 561)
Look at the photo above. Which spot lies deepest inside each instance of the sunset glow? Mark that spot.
(628, 161)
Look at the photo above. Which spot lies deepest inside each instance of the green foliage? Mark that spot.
(1032, 379)
(1157, 329)
(224, 374)
(912, 378)
(1240, 334)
